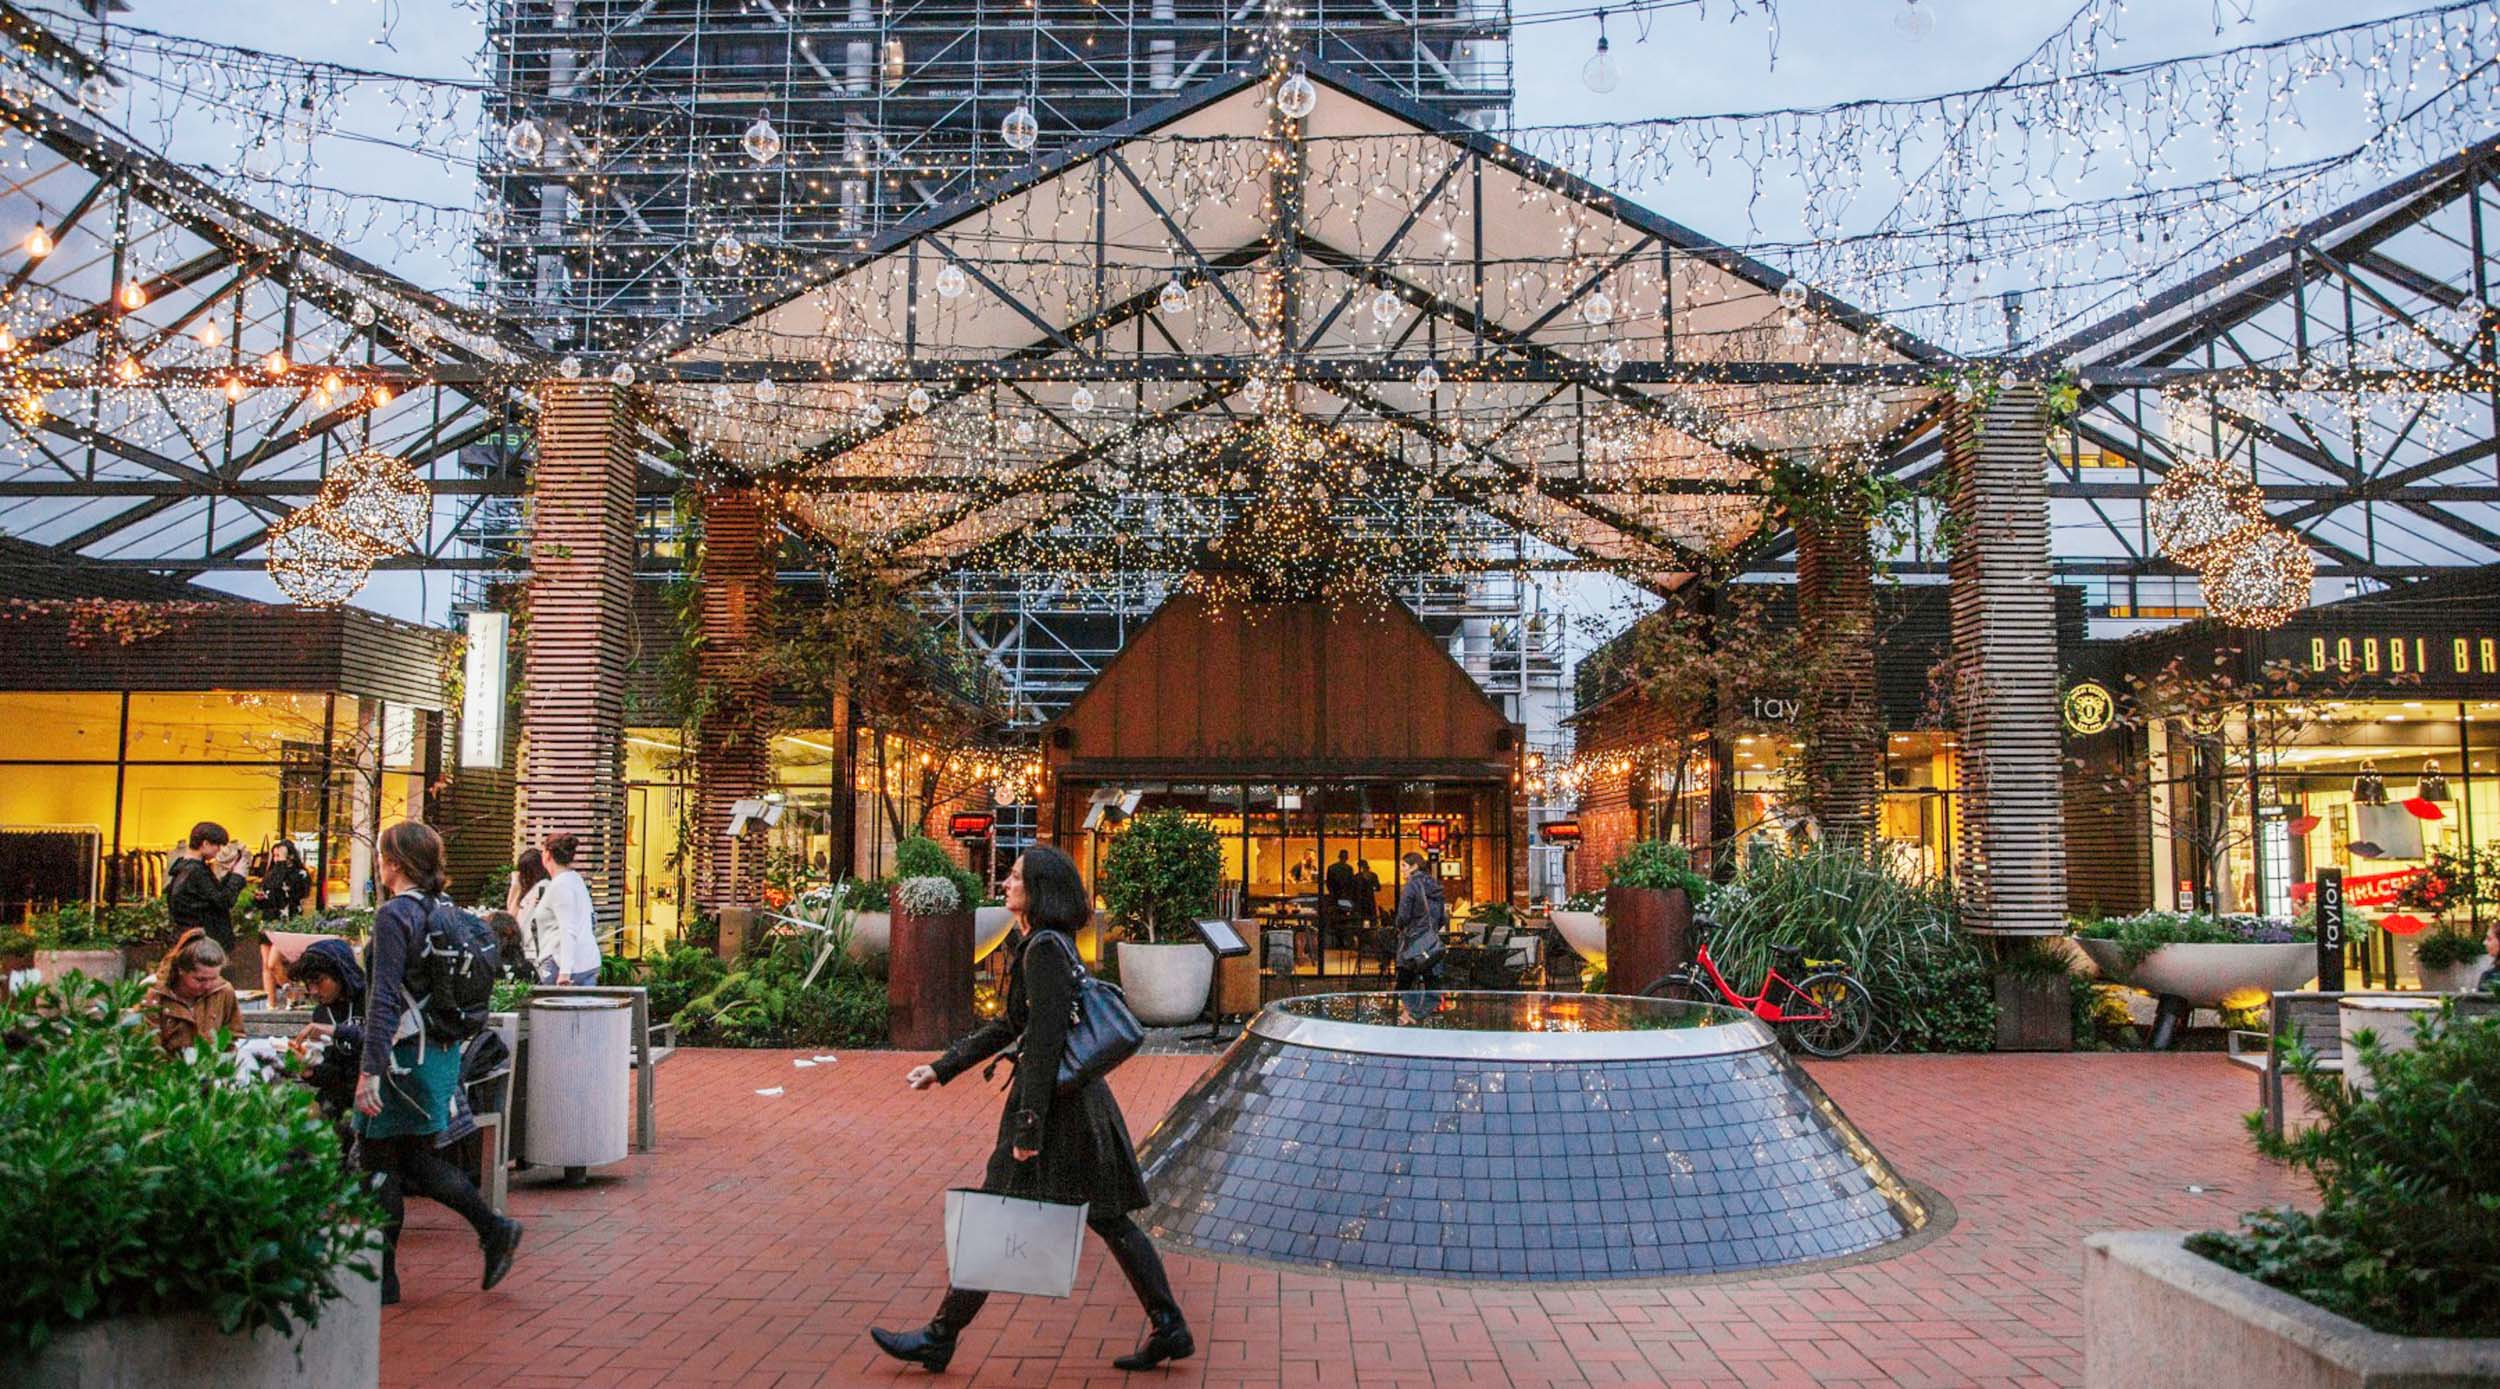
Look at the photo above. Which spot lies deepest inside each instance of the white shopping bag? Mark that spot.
(1011, 1244)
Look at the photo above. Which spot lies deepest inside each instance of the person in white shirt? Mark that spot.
(577, 926)
(534, 922)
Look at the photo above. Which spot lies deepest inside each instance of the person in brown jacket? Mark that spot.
(191, 1000)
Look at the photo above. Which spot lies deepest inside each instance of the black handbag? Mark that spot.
(1102, 1031)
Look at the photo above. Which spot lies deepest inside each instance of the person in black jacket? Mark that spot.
(202, 883)
(283, 883)
(328, 971)
(1060, 1148)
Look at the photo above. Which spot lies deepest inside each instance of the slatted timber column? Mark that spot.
(1836, 611)
(581, 632)
(733, 747)
(2012, 857)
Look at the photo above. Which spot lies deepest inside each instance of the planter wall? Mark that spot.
(95, 964)
(928, 980)
(2155, 1314)
(1648, 932)
(344, 1351)
(2034, 1013)
(1166, 984)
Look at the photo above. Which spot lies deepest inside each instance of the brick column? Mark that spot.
(1844, 759)
(733, 745)
(581, 631)
(2012, 858)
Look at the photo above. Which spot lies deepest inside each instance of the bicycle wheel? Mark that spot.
(1848, 1011)
(1683, 986)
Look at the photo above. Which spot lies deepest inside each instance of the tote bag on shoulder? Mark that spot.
(1012, 1244)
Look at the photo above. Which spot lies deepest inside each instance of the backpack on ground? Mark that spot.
(452, 981)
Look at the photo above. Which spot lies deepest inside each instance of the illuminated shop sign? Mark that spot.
(2405, 655)
(2088, 707)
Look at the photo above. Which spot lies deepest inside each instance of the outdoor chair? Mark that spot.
(2313, 1020)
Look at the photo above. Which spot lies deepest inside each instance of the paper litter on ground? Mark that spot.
(826, 1060)
(774, 1090)
(801, 1062)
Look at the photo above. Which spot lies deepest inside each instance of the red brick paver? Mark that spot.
(768, 1233)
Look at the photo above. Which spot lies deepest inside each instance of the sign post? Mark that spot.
(2331, 929)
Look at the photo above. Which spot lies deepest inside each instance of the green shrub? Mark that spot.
(137, 1182)
(73, 927)
(2445, 948)
(766, 1001)
(1655, 863)
(919, 856)
(1929, 982)
(679, 975)
(2406, 1238)
(2145, 932)
(1161, 872)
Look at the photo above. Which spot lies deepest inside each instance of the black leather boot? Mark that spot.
(1169, 1339)
(933, 1345)
(498, 1247)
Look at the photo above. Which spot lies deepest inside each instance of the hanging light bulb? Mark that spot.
(127, 369)
(234, 390)
(362, 313)
(1081, 400)
(275, 363)
(767, 391)
(38, 243)
(301, 124)
(1916, 20)
(569, 367)
(722, 396)
(918, 400)
(1793, 296)
(332, 383)
(8, 339)
(872, 414)
(761, 142)
(1599, 74)
(1610, 360)
(380, 395)
(207, 334)
(95, 93)
(728, 250)
(950, 282)
(525, 140)
(1023, 432)
(132, 297)
(1385, 308)
(1599, 307)
(1020, 130)
(1174, 297)
(622, 374)
(1297, 96)
(1428, 379)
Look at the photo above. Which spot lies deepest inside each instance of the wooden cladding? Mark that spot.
(1302, 689)
(733, 754)
(1836, 606)
(237, 646)
(581, 617)
(2012, 857)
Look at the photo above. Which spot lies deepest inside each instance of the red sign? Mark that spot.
(2368, 890)
(1435, 834)
(969, 824)
(1562, 832)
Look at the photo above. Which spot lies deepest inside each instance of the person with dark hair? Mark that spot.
(405, 1078)
(328, 971)
(1055, 1147)
(1422, 916)
(283, 882)
(567, 897)
(191, 1002)
(534, 922)
(203, 882)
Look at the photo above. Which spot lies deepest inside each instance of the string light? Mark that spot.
(2198, 505)
(312, 565)
(38, 243)
(2259, 576)
(374, 503)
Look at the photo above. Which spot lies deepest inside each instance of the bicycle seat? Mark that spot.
(1788, 955)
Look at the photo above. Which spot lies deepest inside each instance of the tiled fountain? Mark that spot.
(1517, 1137)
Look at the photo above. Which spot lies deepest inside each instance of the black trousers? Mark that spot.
(409, 1163)
(1135, 1254)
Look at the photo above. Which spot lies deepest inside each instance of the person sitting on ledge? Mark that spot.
(191, 1001)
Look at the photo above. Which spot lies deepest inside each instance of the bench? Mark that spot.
(2314, 1020)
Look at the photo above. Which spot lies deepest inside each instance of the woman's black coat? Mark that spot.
(1086, 1154)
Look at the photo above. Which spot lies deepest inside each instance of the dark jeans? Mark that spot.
(1129, 1247)
(410, 1163)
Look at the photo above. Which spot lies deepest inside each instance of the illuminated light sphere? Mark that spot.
(1610, 360)
(1428, 378)
(1385, 308)
(722, 398)
(362, 313)
(1174, 296)
(1793, 295)
(728, 250)
(1599, 307)
(95, 93)
(918, 400)
(2259, 576)
(310, 564)
(525, 140)
(950, 282)
(569, 367)
(1297, 96)
(39, 243)
(1916, 20)
(1081, 400)
(872, 414)
(761, 142)
(622, 374)
(1020, 130)
(490, 219)
(375, 503)
(2197, 506)
(133, 296)
(1254, 391)
(1023, 432)
(767, 391)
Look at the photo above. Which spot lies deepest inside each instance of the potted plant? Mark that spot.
(2395, 1278)
(1583, 926)
(1650, 895)
(2199, 960)
(2034, 988)
(928, 976)
(75, 939)
(164, 1223)
(1161, 873)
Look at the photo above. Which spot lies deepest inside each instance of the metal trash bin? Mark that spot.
(580, 1081)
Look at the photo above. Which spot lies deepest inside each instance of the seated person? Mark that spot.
(191, 1000)
(328, 971)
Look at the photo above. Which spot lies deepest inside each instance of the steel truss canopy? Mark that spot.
(1211, 307)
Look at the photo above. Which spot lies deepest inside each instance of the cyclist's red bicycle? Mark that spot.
(1825, 1010)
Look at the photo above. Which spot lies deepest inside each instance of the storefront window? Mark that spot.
(656, 803)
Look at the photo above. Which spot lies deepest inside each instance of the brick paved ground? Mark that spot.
(767, 1234)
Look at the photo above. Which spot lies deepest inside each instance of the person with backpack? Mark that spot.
(428, 969)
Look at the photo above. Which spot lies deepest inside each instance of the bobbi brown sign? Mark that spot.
(2449, 656)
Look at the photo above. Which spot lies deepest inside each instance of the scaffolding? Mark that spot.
(631, 200)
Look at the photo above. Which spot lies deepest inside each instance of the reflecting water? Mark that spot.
(1468, 1011)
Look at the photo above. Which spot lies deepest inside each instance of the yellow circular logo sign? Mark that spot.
(2088, 707)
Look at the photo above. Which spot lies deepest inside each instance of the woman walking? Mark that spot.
(405, 1079)
(1056, 1147)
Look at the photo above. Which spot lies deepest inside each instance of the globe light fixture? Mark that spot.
(1599, 74)
(761, 141)
(525, 140)
(2197, 506)
(1916, 19)
(1297, 96)
(309, 564)
(1020, 130)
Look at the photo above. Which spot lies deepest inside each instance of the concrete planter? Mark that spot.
(990, 926)
(2453, 979)
(2205, 975)
(95, 964)
(2155, 1314)
(2389, 1017)
(872, 933)
(343, 1351)
(1585, 933)
(1166, 984)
